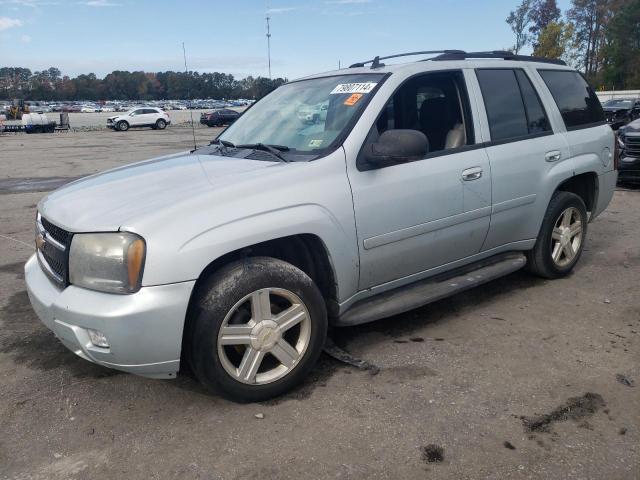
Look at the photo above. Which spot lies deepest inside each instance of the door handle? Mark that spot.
(553, 156)
(473, 173)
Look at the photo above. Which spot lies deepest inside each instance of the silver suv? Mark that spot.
(424, 179)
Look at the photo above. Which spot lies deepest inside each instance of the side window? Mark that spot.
(435, 104)
(149, 110)
(576, 101)
(536, 116)
(503, 103)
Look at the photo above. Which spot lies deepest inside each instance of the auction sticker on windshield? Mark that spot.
(365, 87)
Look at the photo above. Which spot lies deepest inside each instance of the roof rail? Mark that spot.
(375, 62)
(496, 54)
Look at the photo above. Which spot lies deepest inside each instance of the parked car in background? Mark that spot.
(629, 143)
(152, 117)
(90, 109)
(621, 111)
(223, 116)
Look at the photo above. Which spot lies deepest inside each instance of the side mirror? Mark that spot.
(397, 146)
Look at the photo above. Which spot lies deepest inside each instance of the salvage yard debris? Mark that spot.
(575, 408)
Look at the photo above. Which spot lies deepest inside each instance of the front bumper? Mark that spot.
(144, 330)
(629, 170)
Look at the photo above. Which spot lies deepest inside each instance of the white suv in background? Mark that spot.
(152, 117)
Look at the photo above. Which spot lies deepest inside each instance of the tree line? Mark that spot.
(601, 38)
(50, 84)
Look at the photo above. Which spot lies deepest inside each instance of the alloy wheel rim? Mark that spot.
(566, 237)
(264, 336)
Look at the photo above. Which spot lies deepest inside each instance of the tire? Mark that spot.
(561, 238)
(160, 124)
(122, 126)
(234, 296)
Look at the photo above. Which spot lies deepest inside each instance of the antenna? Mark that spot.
(269, 44)
(186, 71)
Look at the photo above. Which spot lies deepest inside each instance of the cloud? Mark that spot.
(347, 2)
(282, 9)
(25, 39)
(99, 3)
(7, 23)
(28, 3)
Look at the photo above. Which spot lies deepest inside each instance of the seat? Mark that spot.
(456, 137)
(435, 121)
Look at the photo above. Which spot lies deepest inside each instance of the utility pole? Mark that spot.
(269, 44)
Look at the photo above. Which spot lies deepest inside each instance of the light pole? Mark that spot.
(269, 45)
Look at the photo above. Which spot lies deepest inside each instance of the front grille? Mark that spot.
(52, 243)
(632, 146)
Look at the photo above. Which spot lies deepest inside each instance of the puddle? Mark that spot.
(36, 184)
(575, 408)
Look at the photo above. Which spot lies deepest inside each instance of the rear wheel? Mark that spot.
(122, 126)
(258, 328)
(161, 124)
(562, 236)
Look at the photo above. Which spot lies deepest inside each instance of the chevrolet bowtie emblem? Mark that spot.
(40, 241)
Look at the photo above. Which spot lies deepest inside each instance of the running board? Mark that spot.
(417, 294)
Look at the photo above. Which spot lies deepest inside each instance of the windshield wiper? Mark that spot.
(224, 143)
(272, 149)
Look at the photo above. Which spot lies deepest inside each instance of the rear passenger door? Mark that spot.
(522, 149)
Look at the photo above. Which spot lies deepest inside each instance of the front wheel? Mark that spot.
(122, 126)
(561, 238)
(257, 329)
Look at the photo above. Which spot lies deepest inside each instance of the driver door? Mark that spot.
(415, 216)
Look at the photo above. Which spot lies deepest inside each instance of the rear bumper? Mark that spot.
(606, 186)
(144, 330)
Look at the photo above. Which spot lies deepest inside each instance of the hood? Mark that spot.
(632, 127)
(106, 201)
(615, 109)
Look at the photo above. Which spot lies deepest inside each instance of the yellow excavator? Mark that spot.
(17, 109)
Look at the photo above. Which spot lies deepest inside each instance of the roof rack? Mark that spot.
(460, 55)
(496, 54)
(375, 62)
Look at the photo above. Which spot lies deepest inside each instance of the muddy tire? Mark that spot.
(561, 238)
(256, 329)
(122, 126)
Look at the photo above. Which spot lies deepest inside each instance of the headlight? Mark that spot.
(108, 262)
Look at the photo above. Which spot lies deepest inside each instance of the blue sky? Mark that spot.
(82, 36)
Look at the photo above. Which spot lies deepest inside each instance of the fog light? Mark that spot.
(98, 338)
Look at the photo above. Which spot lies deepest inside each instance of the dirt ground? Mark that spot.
(520, 378)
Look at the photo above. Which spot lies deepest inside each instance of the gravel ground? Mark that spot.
(519, 378)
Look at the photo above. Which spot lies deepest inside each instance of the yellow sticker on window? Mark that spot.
(353, 99)
(315, 143)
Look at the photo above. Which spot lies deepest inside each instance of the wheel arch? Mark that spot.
(585, 185)
(305, 251)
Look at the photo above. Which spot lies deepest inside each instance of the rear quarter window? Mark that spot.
(577, 102)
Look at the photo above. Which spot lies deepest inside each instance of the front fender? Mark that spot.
(196, 253)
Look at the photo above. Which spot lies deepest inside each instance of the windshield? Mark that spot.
(619, 103)
(305, 116)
